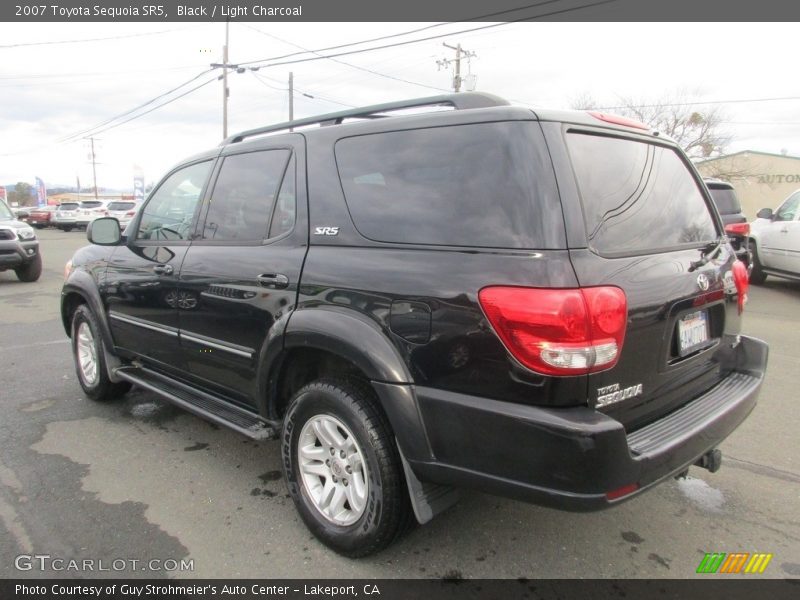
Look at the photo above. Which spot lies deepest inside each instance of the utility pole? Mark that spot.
(291, 97)
(225, 83)
(94, 168)
(445, 63)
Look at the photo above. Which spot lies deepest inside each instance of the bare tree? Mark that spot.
(696, 127)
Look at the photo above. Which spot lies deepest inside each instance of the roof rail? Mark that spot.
(458, 101)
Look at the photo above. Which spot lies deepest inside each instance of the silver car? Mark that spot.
(66, 216)
(123, 211)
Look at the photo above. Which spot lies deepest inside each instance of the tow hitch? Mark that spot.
(712, 460)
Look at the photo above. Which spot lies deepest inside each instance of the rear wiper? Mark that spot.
(707, 253)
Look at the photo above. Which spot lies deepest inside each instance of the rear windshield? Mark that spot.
(726, 200)
(68, 206)
(480, 185)
(91, 204)
(637, 197)
(121, 205)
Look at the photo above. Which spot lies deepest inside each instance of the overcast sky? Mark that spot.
(52, 91)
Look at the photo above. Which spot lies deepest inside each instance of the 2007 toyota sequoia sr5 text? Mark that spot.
(537, 304)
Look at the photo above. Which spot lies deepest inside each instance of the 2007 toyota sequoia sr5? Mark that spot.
(537, 304)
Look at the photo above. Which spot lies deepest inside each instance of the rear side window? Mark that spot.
(486, 184)
(725, 199)
(637, 197)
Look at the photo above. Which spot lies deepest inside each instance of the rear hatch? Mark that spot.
(651, 231)
(726, 201)
(67, 209)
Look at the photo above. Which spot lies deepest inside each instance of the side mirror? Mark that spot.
(764, 213)
(104, 231)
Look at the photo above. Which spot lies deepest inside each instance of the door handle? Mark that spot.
(273, 280)
(163, 269)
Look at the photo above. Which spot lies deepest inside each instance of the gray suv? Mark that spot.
(19, 248)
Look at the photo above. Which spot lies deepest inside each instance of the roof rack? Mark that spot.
(457, 101)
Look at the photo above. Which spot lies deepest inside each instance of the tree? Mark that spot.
(696, 127)
(22, 194)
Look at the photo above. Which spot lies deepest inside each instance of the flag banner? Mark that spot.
(41, 193)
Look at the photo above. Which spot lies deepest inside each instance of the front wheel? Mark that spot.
(757, 274)
(90, 361)
(30, 271)
(343, 469)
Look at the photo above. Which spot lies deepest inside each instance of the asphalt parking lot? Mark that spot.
(141, 480)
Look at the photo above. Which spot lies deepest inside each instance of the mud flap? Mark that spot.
(427, 499)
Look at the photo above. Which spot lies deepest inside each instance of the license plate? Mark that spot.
(692, 332)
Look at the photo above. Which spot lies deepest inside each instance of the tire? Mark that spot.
(366, 521)
(757, 275)
(67, 228)
(31, 271)
(90, 361)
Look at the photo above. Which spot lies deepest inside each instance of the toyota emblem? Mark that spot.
(702, 281)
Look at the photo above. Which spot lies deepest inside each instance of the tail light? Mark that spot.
(742, 229)
(742, 283)
(561, 331)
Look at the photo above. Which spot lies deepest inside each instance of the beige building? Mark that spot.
(761, 180)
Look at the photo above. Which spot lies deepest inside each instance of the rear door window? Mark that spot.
(637, 197)
(243, 199)
(485, 185)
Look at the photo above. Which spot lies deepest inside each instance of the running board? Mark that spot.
(200, 403)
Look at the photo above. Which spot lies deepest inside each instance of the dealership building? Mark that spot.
(761, 179)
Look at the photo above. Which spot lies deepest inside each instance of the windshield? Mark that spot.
(5, 212)
(68, 206)
(91, 204)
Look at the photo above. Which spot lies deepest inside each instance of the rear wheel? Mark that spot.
(90, 362)
(757, 274)
(343, 469)
(30, 271)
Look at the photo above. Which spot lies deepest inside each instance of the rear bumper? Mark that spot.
(572, 458)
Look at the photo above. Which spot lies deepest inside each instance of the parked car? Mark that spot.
(21, 213)
(123, 211)
(19, 248)
(730, 209)
(541, 305)
(89, 210)
(42, 216)
(775, 241)
(66, 216)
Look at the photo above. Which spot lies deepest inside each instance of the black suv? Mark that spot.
(736, 226)
(541, 305)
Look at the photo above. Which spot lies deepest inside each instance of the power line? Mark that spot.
(81, 41)
(163, 104)
(425, 39)
(134, 109)
(341, 62)
(700, 103)
(95, 74)
(405, 33)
